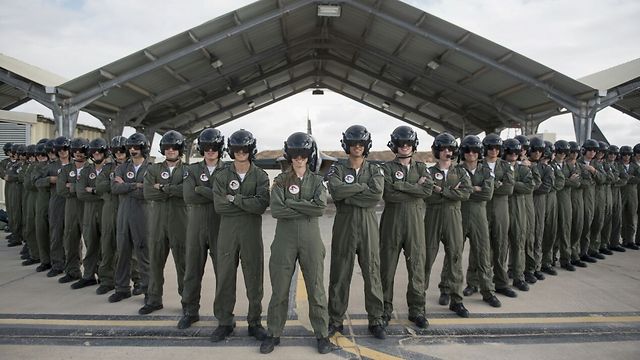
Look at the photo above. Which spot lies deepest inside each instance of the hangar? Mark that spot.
(384, 54)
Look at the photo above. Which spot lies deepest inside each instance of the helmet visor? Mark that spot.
(239, 149)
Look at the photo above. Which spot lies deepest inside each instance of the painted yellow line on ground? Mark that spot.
(346, 344)
(515, 320)
(120, 323)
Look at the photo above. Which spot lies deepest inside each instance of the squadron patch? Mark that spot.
(438, 176)
(185, 174)
(381, 171)
(59, 171)
(204, 177)
(349, 179)
(72, 173)
(399, 175)
(112, 175)
(511, 166)
(234, 185)
(164, 175)
(294, 189)
(92, 176)
(130, 175)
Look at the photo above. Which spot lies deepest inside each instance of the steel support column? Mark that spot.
(66, 120)
(583, 123)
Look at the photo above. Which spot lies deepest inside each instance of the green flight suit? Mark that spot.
(600, 207)
(529, 246)
(167, 216)
(40, 179)
(297, 204)
(91, 219)
(577, 210)
(550, 234)
(355, 232)
(203, 224)
(629, 196)
(109, 212)
(131, 226)
(565, 209)
(616, 207)
(443, 223)
(475, 226)
(499, 219)
(240, 240)
(14, 200)
(589, 185)
(402, 229)
(612, 176)
(4, 164)
(547, 178)
(637, 240)
(523, 184)
(29, 211)
(73, 211)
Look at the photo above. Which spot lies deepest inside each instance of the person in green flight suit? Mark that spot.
(298, 199)
(549, 236)
(240, 196)
(443, 220)
(109, 211)
(4, 163)
(616, 200)
(131, 224)
(92, 216)
(74, 208)
(203, 223)
(56, 204)
(498, 212)
(636, 159)
(167, 215)
(14, 192)
(577, 204)
(522, 186)
(591, 174)
(571, 181)
(407, 183)
(356, 188)
(600, 203)
(29, 192)
(546, 175)
(629, 194)
(475, 224)
(611, 177)
(44, 154)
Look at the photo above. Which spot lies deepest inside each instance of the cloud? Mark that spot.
(71, 38)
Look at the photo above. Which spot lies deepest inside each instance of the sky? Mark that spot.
(574, 37)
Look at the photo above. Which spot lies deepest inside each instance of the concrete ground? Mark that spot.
(591, 313)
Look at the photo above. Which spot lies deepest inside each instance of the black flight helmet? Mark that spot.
(22, 150)
(626, 150)
(41, 150)
(14, 148)
(98, 145)
(562, 147)
(242, 140)
(31, 150)
(212, 139)
(604, 147)
(549, 149)
(535, 144)
(403, 135)
(7, 148)
(524, 141)
(444, 141)
(48, 146)
(574, 147)
(118, 143)
(492, 141)
(42, 141)
(356, 134)
(301, 144)
(614, 150)
(636, 149)
(140, 142)
(79, 145)
(511, 146)
(172, 140)
(589, 145)
(61, 143)
(470, 143)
